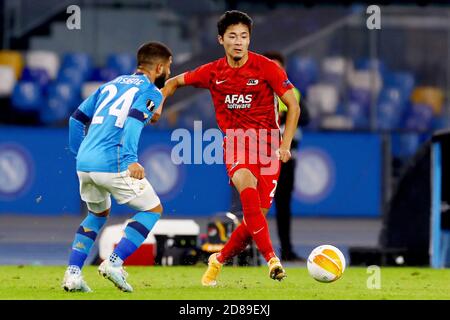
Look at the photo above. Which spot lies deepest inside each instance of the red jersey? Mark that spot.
(244, 97)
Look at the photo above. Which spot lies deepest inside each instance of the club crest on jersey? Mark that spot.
(150, 105)
(252, 82)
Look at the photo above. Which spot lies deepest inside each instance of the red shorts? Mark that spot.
(266, 173)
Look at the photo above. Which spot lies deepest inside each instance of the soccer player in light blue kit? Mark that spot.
(107, 162)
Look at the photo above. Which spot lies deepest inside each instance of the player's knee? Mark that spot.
(103, 213)
(157, 209)
(100, 209)
(244, 178)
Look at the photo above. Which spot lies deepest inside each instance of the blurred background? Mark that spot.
(363, 177)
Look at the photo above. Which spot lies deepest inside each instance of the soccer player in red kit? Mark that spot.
(243, 86)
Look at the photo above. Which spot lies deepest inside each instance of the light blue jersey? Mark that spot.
(117, 112)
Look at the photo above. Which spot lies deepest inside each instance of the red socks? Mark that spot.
(239, 240)
(255, 226)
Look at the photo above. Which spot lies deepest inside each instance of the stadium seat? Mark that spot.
(27, 96)
(13, 59)
(78, 60)
(103, 74)
(334, 72)
(88, 88)
(359, 114)
(389, 115)
(38, 75)
(371, 64)
(322, 98)
(404, 81)
(336, 65)
(431, 96)
(40, 59)
(361, 96)
(419, 117)
(66, 91)
(358, 107)
(63, 98)
(392, 94)
(123, 63)
(302, 72)
(365, 79)
(8, 80)
(391, 106)
(71, 75)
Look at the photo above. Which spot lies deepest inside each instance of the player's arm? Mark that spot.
(199, 78)
(79, 120)
(173, 84)
(169, 89)
(280, 83)
(140, 115)
(292, 116)
(131, 135)
(157, 114)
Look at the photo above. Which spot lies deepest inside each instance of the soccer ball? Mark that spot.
(326, 263)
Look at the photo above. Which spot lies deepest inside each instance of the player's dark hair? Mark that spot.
(232, 17)
(153, 52)
(275, 55)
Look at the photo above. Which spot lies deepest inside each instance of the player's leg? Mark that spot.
(99, 203)
(136, 232)
(267, 185)
(240, 238)
(247, 185)
(238, 241)
(87, 232)
(149, 209)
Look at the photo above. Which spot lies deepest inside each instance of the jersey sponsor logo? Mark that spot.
(220, 81)
(238, 101)
(252, 82)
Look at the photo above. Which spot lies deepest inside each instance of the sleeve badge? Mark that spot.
(150, 105)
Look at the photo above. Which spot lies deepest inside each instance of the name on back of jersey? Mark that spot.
(129, 80)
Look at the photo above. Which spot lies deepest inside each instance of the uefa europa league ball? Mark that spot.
(326, 263)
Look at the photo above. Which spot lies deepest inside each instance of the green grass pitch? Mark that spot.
(178, 283)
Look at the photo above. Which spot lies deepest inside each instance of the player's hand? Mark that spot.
(155, 118)
(284, 154)
(136, 171)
